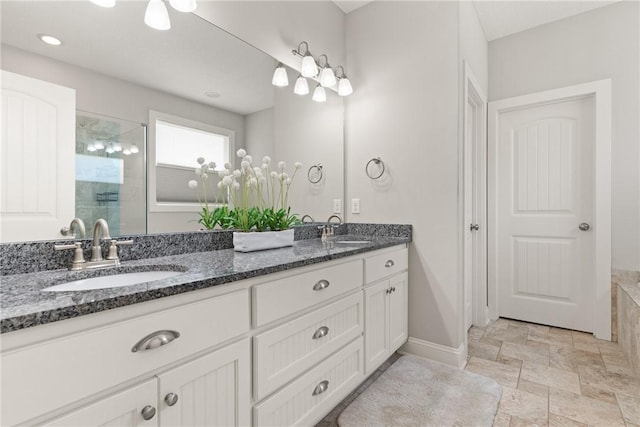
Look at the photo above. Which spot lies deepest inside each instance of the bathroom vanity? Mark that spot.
(270, 338)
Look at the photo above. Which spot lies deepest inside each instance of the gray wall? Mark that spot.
(403, 59)
(602, 43)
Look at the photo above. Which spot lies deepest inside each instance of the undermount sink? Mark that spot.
(353, 242)
(112, 281)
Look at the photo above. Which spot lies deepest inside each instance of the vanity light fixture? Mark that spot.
(110, 149)
(99, 145)
(280, 77)
(302, 86)
(126, 152)
(104, 3)
(117, 146)
(134, 149)
(157, 16)
(46, 38)
(344, 85)
(91, 148)
(183, 5)
(327, 76)
(319, 95)
(308, 66)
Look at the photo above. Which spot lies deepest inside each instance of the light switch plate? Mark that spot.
(355, 206)
(337, 206)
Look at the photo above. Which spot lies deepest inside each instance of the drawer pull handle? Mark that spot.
(148, 412)
(321, 332)
(171, 399)
(155, 340)
(389, 263)
(321, 388)
(322, 284)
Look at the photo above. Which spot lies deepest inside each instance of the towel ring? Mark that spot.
(379, 163)
(318, 173)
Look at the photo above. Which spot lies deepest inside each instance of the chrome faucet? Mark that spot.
(75, 229)
(100, 226)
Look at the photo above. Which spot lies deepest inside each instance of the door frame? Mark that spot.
(475, 99)
(600, 91)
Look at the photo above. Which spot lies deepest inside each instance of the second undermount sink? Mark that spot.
(112, 281)
(353, 242)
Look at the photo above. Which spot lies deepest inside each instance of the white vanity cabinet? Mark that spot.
(386, 305)
(66, 371)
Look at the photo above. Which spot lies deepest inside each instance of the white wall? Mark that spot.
(403, 60)
(101, 94)
(602, 43)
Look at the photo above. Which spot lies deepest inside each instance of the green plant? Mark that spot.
(259, 195)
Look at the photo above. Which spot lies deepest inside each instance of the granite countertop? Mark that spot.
(23, 304)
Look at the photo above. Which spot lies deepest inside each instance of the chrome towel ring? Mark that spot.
(376, 162)
(314, 175)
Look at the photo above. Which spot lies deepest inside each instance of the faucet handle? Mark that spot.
(113, 247)
(78, 255)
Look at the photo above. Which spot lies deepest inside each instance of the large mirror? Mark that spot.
(128, 77)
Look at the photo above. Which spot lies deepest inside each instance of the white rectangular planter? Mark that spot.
(257, 241)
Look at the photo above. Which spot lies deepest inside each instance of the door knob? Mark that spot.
(474, 227)
(584, 226)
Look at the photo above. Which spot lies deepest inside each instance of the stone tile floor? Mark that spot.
(549, 376)
(555, 377)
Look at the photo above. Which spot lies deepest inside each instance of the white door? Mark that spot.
(123, 409)
(544, 202)
(213, 390)
(37, 159)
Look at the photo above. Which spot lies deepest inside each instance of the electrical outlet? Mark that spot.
(337, 206)
(355, 206)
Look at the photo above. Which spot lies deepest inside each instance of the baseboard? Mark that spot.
(440, 353)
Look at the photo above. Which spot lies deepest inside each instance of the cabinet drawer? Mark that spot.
(285, 352)
(286, 296)
(303, 402)
(79, 365)
(386, 264)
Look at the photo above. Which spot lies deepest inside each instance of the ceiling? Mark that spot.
(505, 17)
(191, 58)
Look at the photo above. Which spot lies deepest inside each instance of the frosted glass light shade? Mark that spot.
(301, 87)
(327, 77)
(344, 87)
(99, 145)
(134, 149)
(183, 5)
(308, 68)
(280, 77)
(117, 146)
(319, 95)
(104, 3)
(157, 16)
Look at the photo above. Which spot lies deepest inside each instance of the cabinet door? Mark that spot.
(398, 311)
(121, 409)
(212, 390)
(376, 325)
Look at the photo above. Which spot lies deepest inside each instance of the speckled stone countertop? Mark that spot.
(23, 304)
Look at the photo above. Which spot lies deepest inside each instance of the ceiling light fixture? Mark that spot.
(344, 85)
(327, 76)
(319, 95)
(104, 3)
(53, 41)
(157, 16)
(280, 77)
(302, 86)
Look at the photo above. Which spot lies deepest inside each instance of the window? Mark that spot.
(178, 145)
(175, 143)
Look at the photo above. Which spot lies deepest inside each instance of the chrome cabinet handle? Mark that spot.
(320, 388)
(148, 412)
(155, 340)
(474, 227)
(171, 399)
(389, 263)
(387, 291)
(584, 227)
(322, 284)
(321, 332)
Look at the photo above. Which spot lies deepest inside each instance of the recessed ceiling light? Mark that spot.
(212, 94)
(50, 39)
